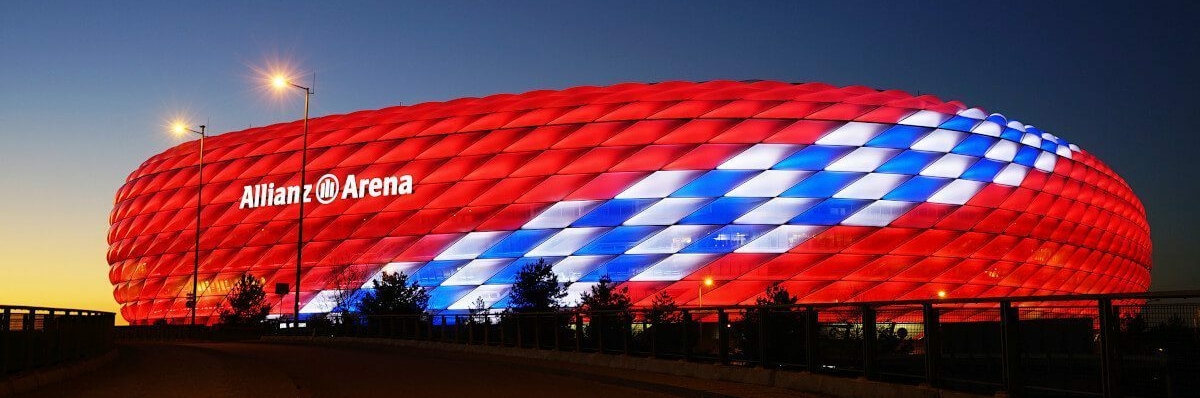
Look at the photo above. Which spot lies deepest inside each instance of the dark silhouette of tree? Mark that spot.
(783, 327)
(664, 324)
(247, 303)
(346, 284)
(610, 311)
(604, 296)
(479, 311)
(394, 295)
(776, 295)
(663, 310)
(536, 288)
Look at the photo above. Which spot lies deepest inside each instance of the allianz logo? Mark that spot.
(327, 189)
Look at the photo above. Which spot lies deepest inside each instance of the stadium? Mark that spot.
(839, 194)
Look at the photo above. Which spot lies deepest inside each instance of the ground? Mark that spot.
(218, 370)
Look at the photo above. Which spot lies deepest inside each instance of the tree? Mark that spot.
(605, 296)
(776, 295)
(610, 311)
(247, 303)
(663, 310)
(480, 312)
(346, 285)
(536, 288)
(394, 295)
(665, 324)
(784, 327)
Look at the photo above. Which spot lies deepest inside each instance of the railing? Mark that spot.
(36, 337)
(1132, 345)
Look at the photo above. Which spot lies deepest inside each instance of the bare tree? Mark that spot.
(346, 284)
(479, 311)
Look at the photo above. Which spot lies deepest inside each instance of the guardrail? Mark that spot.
(37, 337)
(1131, 345)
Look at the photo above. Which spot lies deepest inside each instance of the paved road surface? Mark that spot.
(266, 370)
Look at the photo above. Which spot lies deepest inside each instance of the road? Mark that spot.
(218, 370)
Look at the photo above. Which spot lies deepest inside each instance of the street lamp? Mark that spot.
(280, 82)
(708, 282)
(181, 129)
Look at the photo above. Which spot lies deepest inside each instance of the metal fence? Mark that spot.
(1131, 345)
(36, 337)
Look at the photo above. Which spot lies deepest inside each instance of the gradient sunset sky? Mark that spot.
(87, 88)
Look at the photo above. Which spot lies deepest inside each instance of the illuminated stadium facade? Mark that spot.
(839, 194)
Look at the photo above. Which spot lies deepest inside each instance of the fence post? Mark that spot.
(519, 342)
(470, 330)
(500, 322)
(812, 330)
(933, 342)
(537, 331)
(870, 334)
(487, 329)
(687, 345)
(653, 339)
(557, 332)
(1010, 349)
(763, 313)
(722, 336)
(627, 335)
(31, 354)
(598, 329)
(4, 341)
(443, 328)
(458, 327)
(1110, 328)
(578, 332)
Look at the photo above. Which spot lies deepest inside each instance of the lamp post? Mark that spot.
(180, 129)
(280, 83)
(708, 282)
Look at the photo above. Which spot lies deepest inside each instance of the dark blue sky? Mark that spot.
(85, 88)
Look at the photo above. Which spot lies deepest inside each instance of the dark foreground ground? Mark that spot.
(277, 370)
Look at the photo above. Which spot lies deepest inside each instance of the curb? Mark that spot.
(25, 382)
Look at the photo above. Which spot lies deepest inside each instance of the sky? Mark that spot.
(87, 88)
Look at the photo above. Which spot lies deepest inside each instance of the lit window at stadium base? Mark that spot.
(837, 194)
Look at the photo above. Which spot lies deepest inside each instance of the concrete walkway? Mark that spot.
(262, 369)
